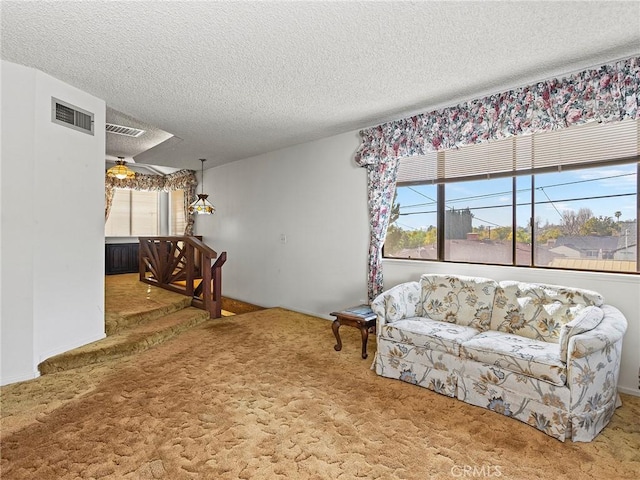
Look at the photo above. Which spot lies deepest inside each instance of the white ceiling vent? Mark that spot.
(127, 131)
(68, 115)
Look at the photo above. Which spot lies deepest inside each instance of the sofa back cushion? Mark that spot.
(538, 311)
(457, 299)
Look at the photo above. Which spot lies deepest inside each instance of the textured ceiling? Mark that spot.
(234, 79)
(124, 146)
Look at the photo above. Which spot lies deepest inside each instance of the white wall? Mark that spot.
(52, 223)
(17, 227)
(315, 195)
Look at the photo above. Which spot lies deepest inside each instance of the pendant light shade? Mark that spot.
(202, 206)
(120, 170)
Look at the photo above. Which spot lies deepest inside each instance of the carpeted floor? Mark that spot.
(264, 396)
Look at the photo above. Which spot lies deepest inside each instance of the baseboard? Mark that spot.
(65, 348)
(18, 378)
(629, 391)
(306, 312)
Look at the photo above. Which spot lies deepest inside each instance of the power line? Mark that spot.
(590, 180)
(522, 204)
(435, 202)
(420, 193)
(583, 198)
(508, 192)
(406, 226)
(487, 221)
(552, 204)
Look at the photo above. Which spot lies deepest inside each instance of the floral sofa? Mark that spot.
(544, 354)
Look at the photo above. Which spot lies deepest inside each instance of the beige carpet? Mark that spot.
(264, 396)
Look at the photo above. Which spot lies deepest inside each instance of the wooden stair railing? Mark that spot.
(178, 264)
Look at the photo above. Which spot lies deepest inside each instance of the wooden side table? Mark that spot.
(360, 317)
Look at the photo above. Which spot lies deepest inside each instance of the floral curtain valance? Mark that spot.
(608, 93)
(181, 180)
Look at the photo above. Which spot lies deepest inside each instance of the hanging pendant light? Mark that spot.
(202, 206)
(120, 170)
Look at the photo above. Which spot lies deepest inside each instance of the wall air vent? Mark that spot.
(68, 115)
(127, 131)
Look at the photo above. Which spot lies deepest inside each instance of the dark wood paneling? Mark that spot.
(121, 258)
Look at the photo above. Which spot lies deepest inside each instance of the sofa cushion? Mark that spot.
(588, 319)
(430, 334)
(538, 311)
(533, 358)
(466, 301)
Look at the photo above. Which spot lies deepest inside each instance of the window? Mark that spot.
(562, 199)
(133, 213)
(478, 220)
(140, 213)
(415, 234)
(587, 219)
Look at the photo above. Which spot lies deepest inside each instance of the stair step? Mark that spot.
(143, 313)
(133, 339)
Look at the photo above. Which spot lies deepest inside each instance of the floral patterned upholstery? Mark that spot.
(538, 311)
(419, 365)
(546, 355)
(530, 400)
(424, 332)
(456, 299)
(400, 302)
(532, 358)
(593, 366)
(588, 319)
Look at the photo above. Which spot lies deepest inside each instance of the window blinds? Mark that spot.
(590, 144)
(118, 223)
(133, 213)
(144, 213)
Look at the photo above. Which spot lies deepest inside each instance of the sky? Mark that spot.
(490, 200)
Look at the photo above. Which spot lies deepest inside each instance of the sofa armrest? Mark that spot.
(401, 301)
(610, 329)
(586, 320)
(593, 366)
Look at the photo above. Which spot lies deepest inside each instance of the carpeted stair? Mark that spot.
(137, 317)
(131, 332)
(117, 321)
